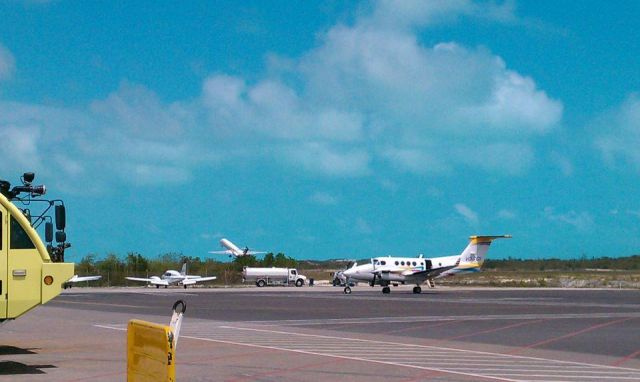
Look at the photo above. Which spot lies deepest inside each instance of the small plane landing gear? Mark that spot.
(347, 290)
(185, 287)
(386, 290)
(157, 286)
(165, 287)
(417, 289)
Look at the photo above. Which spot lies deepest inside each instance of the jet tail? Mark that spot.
(183, 271)
(473, 256)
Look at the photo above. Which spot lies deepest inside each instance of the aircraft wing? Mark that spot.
(154, 281)
(429, 273)
(192, 281)
(227, 252)
(77, 279)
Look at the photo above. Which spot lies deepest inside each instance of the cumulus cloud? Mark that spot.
(467, 213)
(619, 133)
(582, 221)
(438, 107)
(369, 97)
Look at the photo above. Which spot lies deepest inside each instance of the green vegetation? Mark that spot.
(623, 272)
(114, 269)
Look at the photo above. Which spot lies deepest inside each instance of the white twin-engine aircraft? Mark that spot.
(233, 251)
(385, 271)
(173, 277)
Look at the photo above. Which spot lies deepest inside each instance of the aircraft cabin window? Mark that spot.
(19, 237)
(397, 263)
(383, 262)
(402, 262)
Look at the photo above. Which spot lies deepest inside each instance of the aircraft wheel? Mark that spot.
(386, 290)
(417, 289)
(166, 286)
(157, 286)
(347, 290)
(185, 287)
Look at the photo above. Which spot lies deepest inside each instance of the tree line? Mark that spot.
(114, 268)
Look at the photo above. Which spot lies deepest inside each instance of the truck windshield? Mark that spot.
(19, 237)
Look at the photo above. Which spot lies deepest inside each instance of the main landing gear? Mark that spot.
(417, 289)
(386, 290)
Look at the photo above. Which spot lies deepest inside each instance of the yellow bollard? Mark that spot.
(151, 349)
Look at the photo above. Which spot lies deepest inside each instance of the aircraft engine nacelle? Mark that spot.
(391, 277)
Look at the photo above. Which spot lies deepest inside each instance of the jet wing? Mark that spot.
(155, 281)
(77, 279)
(227, 252)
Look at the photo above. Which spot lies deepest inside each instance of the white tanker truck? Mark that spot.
(273, 276)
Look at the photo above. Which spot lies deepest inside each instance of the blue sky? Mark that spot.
(328, 129)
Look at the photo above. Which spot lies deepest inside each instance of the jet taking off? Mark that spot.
(416, 270)
(173, 277)
(233, 251)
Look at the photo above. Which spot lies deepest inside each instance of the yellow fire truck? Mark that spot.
(31, 273)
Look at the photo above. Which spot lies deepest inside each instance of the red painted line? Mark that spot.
(493, 330)
(569, 335)
(625, 359)
(423, 326)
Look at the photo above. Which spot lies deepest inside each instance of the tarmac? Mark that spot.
(320, 334)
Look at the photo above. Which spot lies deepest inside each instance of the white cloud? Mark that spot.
(582, 221)
(564, 164)
(507, 214)
(323, 198)
(467, 213)
(7, 63)
(619, 133)
(369, 97)
(363, 227)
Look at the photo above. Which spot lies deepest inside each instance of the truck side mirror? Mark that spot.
(61, 237)
(48, 232)
(61, 217)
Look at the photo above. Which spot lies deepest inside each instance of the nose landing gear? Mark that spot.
(417, 289)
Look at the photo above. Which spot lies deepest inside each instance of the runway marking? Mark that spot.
(627, 358)
(572, 334)
(469, 363)
(416, 298)
(410, 319)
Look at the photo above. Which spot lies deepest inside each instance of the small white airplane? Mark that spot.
(233, 251)
(173, 277)
(389, 270)
(76, 279)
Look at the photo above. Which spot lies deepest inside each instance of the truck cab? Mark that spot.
(31, 273)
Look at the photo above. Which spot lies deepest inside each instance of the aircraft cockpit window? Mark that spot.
(376, 262)
(19, 237)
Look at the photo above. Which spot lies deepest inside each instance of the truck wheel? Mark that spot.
(347, 290)
(299, 282)
(261, 283)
